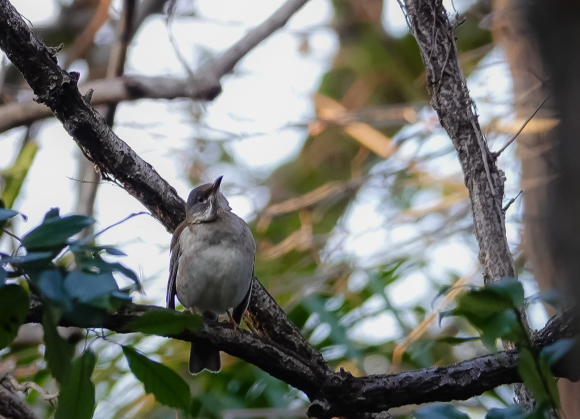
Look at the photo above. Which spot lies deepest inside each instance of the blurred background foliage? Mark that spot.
(357, 227)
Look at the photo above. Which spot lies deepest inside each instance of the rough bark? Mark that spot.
(11, 405)
(429, 23)
(450, 98)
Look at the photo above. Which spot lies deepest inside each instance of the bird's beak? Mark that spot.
(215, 187)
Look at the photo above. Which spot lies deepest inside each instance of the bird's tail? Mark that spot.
(204, 357)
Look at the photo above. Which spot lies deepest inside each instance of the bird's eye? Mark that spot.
(200, 199)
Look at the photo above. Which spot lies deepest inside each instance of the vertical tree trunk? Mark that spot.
(545, 209)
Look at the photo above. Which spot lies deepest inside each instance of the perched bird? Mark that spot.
(212, 266)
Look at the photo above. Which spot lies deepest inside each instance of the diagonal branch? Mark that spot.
(205, 85)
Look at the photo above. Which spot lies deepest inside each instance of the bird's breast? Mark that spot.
(216, 265)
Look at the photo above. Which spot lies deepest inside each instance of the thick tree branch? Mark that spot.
(115, 159)
(341, 394)
(450, 98)
(11, 405)
(276, 359)
(205, 85)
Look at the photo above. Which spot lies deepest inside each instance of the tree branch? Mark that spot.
(11, 405)
(341, 394)
(205, 85)
(120, 89)
(450, 98)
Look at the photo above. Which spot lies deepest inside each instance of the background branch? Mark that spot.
(205, 85)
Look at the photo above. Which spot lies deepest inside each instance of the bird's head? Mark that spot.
(206, 202)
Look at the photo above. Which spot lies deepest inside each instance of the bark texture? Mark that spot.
(450, 98)
(11, 405)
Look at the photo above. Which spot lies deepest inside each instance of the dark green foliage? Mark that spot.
(164, 383)
(561, 357)
(58, 353)
(493, 310)
(84, 295)
(510, 412)
(6, 214)
(54, 232)
(535, 372)
(13, 311)
(439, 411)
(77, 395)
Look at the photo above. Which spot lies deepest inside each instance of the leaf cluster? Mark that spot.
(495, 311)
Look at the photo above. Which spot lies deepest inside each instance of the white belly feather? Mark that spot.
(211, 278)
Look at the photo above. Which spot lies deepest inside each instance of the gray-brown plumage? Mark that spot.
(212, 265)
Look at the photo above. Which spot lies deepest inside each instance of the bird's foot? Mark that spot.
(252, 329)
(236, 325)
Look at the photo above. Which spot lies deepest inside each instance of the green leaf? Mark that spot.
(87, 314)
(13, 311)
(454, 340)
(439, 411)
(52, 213)
(509, 288)
(164, 323)
(561, 358)
(87, 287)
(30, 257)
(511, 412)
(59, 352)
(161, 381)
(113, 251)
(554, 352)
(55, 231)
(6, 214)
(96, 264)
(481, 303)
(503, 325)
(528, 370)
(77, 395)
(79, 246)
(51, 284)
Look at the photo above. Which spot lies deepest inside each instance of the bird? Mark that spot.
(211, 268)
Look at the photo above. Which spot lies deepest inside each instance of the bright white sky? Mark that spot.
(272, 89)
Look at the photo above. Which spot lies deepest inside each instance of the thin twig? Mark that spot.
(12, 235)
(88, 239)
(498, 153)
(511, 201)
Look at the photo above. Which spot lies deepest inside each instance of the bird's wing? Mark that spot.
(241, 308)
(175, 249)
